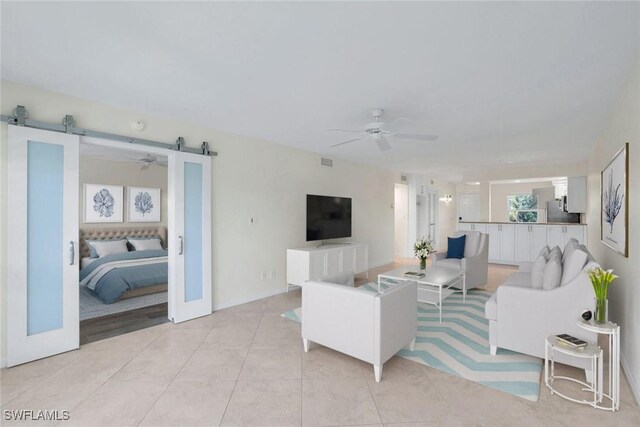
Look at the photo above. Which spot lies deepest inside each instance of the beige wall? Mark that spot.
(622, 125)
(250, 178)
(500, 192)
(527, 172)
(128, 174)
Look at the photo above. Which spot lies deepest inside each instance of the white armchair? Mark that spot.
(474, 265)
(368, 326)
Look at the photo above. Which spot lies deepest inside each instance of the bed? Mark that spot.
(126, 275)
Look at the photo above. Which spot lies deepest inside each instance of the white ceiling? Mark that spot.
(501, 83)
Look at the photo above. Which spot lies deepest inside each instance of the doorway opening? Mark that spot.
(124, 261)
(400, 220)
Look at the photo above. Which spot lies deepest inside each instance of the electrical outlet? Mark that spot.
(253, 220)
(263, 275)
(272, 274)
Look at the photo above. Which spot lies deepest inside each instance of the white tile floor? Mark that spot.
(245, 366)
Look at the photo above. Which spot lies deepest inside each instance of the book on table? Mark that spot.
(570, 341)
(416, 274)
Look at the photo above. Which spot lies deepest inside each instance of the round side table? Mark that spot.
(591, 351)
(613, 331)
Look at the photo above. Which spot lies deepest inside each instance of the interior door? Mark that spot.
(189, 236)
(42, 262)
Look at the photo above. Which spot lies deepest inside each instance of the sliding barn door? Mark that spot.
(42, 244)
(189, 236)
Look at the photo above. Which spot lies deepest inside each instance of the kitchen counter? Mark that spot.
(525, 223)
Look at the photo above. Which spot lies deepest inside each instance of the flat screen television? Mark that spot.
(328, 217)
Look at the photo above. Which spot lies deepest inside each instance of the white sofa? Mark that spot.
(474, 265)
(365, 325)
(521, 317)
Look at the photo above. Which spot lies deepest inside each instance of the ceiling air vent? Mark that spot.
(403, 178)
(326, 162)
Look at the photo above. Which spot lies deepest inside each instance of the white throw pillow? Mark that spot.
(552, 273)
(568, 249)
(537, 272)
(109, 247)
(573, 265)
(545, 252)
(145, 244)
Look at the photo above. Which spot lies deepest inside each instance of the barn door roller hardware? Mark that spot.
(20, 117)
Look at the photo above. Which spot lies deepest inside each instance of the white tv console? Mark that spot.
(317, 263)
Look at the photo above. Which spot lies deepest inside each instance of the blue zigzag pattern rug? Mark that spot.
(460, 346)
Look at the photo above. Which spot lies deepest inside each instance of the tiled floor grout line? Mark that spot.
(112, 375)
(373, 398)
(241, 368)
(176, 375)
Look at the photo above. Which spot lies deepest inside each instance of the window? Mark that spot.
(522, 208)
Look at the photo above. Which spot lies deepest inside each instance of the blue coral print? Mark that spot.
(103, 203)
(143, 203)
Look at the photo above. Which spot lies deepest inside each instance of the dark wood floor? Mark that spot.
(116, 324)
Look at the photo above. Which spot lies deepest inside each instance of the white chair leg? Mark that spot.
(412, 344)
(493, 350)
(377, 370)
(305, 343)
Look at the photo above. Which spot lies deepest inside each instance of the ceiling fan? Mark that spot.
(149, 160)
(377, 131)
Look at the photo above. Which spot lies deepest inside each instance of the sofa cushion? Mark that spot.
(552, 272)
(537, 272)
(521, 279)
(491, 307)
(452, 263)
(573, 265)
(555, 251)
(455, 248)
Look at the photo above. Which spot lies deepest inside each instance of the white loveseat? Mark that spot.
(521, 317)
(368, 326)
(474, 265)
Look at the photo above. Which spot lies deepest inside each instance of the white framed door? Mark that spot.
(42, 263)
(469, 207)
(189, 241)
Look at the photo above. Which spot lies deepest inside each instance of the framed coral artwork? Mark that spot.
(144, 204)
(614, 190)
(103, 203)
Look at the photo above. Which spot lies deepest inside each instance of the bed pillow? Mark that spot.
(92, 250)
(108, 247)
(455, 247)
(145, 244)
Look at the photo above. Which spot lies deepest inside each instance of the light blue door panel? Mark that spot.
(192, 231)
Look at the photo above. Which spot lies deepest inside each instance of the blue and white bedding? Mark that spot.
(112, 275)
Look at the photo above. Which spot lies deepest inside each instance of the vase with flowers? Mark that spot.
(601, 279)
(421, 249)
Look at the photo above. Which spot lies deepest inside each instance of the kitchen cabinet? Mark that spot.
(559, 235)
(501, 242)
(530, 239)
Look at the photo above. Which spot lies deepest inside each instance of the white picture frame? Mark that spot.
(614, 193)
(103, 203)
(144, 204)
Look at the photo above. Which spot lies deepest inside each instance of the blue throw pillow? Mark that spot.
(456, 247)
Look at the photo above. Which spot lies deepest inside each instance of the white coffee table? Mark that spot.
(434, 287)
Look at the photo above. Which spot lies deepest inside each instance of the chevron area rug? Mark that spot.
(460, 346)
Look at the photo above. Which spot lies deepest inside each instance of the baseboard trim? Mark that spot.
(251, 298)
(633, 384)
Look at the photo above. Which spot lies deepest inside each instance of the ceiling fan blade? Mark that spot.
(383, 144)
(348, 141)
(415, 136)
(345, 130)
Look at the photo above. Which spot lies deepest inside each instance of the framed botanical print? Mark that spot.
(103, 203)
(614, 191)
(144, 204)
